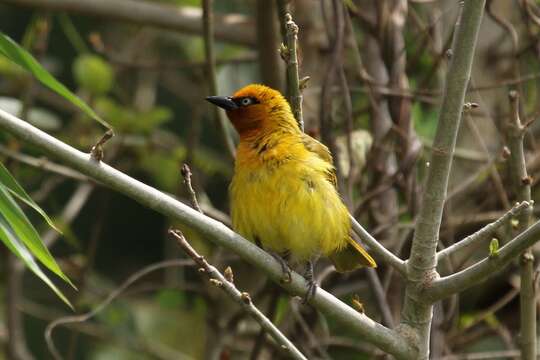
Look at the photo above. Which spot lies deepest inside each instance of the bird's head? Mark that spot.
(256, 108)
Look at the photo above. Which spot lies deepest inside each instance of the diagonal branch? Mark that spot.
(371, 331)
(483, 234)
(227, 285)
(451, 284)
(377, 248)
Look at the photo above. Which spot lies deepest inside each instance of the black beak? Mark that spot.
(224, 102)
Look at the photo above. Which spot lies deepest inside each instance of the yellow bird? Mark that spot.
(283, 193)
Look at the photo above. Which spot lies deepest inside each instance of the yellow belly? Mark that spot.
(292, 207)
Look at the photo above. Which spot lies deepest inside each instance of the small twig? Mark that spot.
(289, 55)
(377, 248)
(97, 150)
(483, 234)
(380, 296)
(43, 163)
(208, 34)
(242, 298)
(186, 174)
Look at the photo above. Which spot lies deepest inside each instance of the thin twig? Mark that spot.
(43, 163)
(242, 298)
(377, 248)
(380, 297)
(289, 54)
(186, 174)
(208, 34)
(522, 187)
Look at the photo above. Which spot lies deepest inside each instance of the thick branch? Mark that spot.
(423, 259)
(421, 265)
(451, 284)
(234, 28)
(386, 339)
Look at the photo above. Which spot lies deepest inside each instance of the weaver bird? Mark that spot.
(283, 192)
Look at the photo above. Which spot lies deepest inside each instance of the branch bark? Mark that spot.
(417, 313)
(388, 340)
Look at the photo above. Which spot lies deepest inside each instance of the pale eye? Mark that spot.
(246, 101)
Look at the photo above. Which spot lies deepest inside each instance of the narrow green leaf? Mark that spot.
(9, 182)
(11, 50)
(8, 237)
(24, 231)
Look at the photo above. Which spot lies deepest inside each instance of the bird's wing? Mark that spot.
(322, 152)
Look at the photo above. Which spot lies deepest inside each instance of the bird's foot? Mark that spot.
(286, 270)
(312, 284)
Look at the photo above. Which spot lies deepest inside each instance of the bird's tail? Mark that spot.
(352, 257)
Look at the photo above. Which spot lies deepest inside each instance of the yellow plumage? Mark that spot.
(283, 193)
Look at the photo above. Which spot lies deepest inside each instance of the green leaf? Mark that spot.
(9, 182)
(11, 50)
(493, 248)
(7, 235)
(24, 231)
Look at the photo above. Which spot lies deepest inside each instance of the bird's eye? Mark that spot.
(246, 101)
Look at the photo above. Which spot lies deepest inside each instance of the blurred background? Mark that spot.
(376, 71)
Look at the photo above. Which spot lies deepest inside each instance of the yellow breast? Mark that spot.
(282, 198)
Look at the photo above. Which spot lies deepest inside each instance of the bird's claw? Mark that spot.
(286, 277)
(312, 284)
(311, 290)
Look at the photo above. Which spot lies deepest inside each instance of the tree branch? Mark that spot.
(208, 34)
(235, 28)
(451, 284)
(421, 271)
(289, 55)
(371, 331)
(522, 187)
(242, 298)
(377, 248)
(483, 234)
